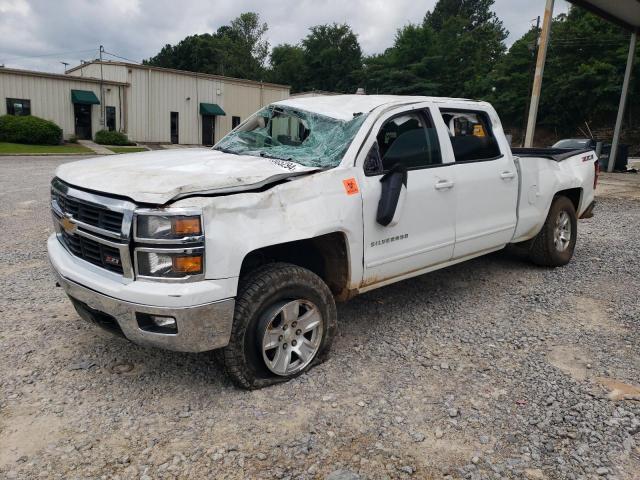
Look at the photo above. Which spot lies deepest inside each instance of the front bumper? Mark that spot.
(199, 328)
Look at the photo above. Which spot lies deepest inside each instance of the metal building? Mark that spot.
(149, 104)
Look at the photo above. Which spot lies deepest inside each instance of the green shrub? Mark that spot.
(29, 129)
(73, 139)
(105, 137)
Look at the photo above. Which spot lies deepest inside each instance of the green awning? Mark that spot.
(211, 109)
(84, 97)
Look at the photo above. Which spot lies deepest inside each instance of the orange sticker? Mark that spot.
(351, 186)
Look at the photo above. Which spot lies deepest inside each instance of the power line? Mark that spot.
(121, 58)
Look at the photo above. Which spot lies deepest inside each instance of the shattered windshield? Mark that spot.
(298, 136)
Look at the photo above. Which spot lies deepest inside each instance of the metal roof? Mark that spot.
(59, 76)
(344, 107)
(179, 72)
(622, 12)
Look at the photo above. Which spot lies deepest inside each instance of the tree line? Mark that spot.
(458, 49)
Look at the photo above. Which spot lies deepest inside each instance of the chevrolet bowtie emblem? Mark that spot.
(68, 225)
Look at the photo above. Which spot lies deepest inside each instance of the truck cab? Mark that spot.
(245, 248)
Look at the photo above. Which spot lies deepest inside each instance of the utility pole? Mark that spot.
(101, 90)
(537, 79)
(534, 54)
(65, 65)
(623, 102)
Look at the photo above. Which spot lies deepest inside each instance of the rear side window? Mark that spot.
(409, 139)
(471, 135)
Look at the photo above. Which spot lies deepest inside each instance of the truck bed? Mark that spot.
(555, 154)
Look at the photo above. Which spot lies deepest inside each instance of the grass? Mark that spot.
(127, 149)
(24, 149)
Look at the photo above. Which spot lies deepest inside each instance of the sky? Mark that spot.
(40, 34)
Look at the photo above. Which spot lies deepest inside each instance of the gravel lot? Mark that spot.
(490, 369)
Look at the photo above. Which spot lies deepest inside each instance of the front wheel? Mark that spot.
(555, 243)
(284, 323)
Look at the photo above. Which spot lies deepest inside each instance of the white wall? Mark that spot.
(51, 98)
(153, 93)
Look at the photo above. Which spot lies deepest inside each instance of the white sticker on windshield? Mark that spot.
(284, 163)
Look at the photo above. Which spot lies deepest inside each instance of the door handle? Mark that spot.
(443, 185)
(507, 175)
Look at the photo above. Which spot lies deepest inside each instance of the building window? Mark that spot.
(17, 106)
(111, 118)
(235, 121)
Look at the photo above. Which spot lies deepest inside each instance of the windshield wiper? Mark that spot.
(265, 155)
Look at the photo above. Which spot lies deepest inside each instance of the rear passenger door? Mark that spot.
(424, 234)
(486, 181)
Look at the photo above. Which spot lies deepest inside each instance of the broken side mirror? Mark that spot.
(392, 197)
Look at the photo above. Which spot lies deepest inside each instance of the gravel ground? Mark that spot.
(490, 369)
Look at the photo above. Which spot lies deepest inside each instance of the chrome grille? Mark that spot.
(88, 213)
(94, 228)
(93, 252)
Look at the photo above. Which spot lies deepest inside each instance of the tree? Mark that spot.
(449, 54)
(333, 58)
(468, 42)
(236, 50)
(249, 33)
(582, 77)
(288, 66)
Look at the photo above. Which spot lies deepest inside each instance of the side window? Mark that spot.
(17, 106)
(235, 121)
(409, 139)
(471, 135)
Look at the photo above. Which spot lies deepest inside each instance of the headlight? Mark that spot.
(170, 263)
(169, 244)
(167, 226)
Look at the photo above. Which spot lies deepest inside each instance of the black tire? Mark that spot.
(259, 291)
(543, 249)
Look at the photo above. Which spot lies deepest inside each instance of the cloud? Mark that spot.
(39, 34)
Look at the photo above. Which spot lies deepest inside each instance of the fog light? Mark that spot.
(157, 323)
(163, 321)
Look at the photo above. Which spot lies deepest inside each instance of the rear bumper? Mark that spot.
(588, 213)
(199, 328)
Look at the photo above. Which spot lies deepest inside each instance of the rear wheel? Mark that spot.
(284, 323)
(556, 241)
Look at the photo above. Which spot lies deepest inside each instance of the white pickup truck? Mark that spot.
(245, 247)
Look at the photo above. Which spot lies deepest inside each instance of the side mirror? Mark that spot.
(394, 192)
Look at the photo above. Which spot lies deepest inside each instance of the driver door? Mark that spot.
(422, 232)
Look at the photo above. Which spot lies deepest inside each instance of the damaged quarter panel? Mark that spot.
(540, 180)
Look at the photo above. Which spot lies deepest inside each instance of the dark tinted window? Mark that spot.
(111, 118)
(17, 106)
(235, 121)
(409, 139)
(471, 135)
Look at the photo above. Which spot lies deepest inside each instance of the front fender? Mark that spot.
(302, 208)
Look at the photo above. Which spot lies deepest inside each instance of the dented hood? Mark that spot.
(162, 175)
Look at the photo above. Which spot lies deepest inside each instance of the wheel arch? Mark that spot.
(325, 255)
(573, 194)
